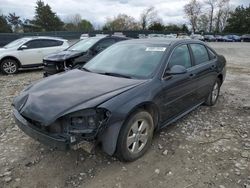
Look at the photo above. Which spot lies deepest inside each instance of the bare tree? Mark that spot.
(74, 19)
(212, 6)
(121, 22)
(148, 16)
(192, 11)
(221, 15)
(202, 23)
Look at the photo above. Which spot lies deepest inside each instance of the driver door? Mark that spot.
(178, 90)
(31, 55)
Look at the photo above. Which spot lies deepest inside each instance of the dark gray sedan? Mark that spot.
(120, 97)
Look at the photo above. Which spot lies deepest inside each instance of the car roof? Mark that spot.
(44, 37)
(161, 41)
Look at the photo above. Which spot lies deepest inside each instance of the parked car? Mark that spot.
(209, 38)
(121, 96)
(219, 38)
(197, 37)
(84, 36)
(78, 54)
(227, 39)
(234, 38)
(28, 52)
(245, 38)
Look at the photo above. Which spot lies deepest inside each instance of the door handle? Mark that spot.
(212, 67)
(191, 75)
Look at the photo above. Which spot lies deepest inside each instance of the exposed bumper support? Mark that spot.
(52, 140)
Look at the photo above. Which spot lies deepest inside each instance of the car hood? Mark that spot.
(63, 55)
(57, 95)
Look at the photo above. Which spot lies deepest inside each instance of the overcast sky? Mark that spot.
(170, 11)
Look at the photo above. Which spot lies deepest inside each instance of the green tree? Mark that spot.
(85, 25)
(4, 26)
(46, 18)
(156, 26)
(239, 21)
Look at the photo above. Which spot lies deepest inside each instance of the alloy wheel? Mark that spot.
(9, 67)
(138, 136)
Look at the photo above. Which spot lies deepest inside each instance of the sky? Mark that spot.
(97, 11)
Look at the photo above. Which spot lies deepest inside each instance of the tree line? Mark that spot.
(207, 16)
(215, 16)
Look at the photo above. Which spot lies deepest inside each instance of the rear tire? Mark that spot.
(9, 66)
(135, 137)
(214, 93)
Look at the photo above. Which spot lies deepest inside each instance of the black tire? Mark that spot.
(212, 99)
(123, 151)
(9, 66)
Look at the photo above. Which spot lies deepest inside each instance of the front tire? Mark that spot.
(214, 93)
(135, 137)
(9, 66)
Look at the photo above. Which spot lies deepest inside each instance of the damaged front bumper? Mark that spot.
(58, 141)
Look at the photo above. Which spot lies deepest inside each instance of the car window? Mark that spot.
(135, 60)
(33, 44)
(105, 43)
(180, 56)
(211, 54)
(200, 53)
(51, 43)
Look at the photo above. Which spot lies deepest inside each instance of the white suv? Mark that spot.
(28, 52)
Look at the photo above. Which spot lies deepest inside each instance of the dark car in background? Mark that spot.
(227, 39)
(219, 38)
(209, 38)
(232, 38)
(120, 97)
(78, 54)
(245, 38)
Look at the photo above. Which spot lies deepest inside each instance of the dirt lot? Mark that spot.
(210, 147)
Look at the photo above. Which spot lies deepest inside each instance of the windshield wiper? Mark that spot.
(116, 74)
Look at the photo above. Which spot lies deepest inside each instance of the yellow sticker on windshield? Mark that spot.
(155, 49)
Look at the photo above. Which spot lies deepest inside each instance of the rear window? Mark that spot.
(200, 53)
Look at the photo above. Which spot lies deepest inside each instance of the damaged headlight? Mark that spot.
(86, 121)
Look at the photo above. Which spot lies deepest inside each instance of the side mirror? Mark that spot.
(23, 47)
(176, 69)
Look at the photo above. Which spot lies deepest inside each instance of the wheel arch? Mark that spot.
(110, 136)
(220, 76)
(11, 57)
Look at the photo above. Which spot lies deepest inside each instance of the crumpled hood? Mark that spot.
(57, 95)
(64, 55)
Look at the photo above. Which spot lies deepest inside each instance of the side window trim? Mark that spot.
(169, 57)
(201, 64)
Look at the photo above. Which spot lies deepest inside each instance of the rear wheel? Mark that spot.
(214, 93)
(135, 136)
(9, 66)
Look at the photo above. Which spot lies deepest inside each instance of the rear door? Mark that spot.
(178, 91)
(50, 46)
(204, 69)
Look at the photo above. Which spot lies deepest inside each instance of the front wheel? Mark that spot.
(9, 66)
(135, 136)
(214, 93)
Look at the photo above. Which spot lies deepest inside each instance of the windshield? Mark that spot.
(16, 43)
(83, 45)
(128, 60)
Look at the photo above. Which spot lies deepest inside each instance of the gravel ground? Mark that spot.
(210, 147)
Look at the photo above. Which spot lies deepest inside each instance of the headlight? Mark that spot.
(86, 121)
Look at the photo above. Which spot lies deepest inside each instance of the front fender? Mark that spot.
(121, 107)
